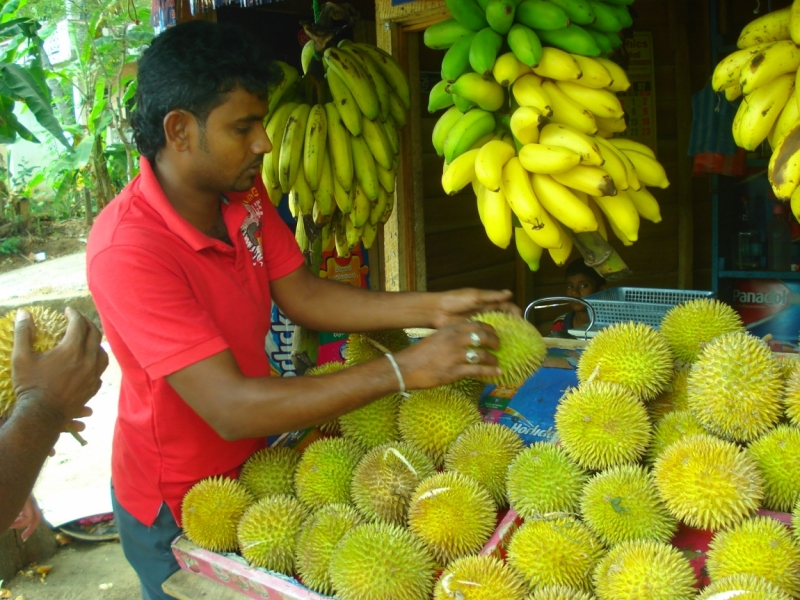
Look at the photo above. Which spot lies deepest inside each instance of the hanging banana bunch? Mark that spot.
(532, 128)
(335, 136)
(763, 72)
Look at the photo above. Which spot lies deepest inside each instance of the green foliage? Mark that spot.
(10, 245)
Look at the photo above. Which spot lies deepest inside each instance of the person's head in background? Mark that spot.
(581, 282)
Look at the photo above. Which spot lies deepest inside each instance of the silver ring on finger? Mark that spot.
(473, 357)
(475, 339)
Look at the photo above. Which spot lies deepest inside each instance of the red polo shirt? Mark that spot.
(170, 296)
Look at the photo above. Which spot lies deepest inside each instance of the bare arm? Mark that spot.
(325, 305)
(240, 407)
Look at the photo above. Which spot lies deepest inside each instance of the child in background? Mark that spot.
(581, 282)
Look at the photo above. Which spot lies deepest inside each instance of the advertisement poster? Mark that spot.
(639, 102)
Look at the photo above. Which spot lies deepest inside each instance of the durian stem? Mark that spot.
(71, 430)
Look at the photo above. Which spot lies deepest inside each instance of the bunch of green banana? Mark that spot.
(336, 157)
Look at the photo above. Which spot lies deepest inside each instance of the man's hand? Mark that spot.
(63, 379)
(29, 519)
(458, 305)
(442, 357)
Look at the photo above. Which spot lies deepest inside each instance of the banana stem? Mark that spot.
(598, 254)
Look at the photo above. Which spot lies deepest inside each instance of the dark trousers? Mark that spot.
(147, 549)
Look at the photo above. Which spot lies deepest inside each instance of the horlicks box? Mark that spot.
(768, 307)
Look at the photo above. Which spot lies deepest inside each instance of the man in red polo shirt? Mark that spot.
(183, 266)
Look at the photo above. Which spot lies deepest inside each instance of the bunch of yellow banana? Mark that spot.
(337, 159)
(764, 73)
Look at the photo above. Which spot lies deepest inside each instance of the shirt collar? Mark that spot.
(152, 193)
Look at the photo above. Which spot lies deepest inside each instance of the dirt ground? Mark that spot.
(54, 239)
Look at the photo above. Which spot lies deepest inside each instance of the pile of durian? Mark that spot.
(697, 423)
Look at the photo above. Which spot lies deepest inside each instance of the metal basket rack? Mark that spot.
(642, 305)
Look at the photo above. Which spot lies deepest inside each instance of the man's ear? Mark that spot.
(177, 129)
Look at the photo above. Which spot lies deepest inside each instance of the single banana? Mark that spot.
(301, 237)
(391, 132)
(456, 59)
(528, 250)
(611, 125)
(595, 73)
(339, 147)
(607, 20)
(620, 81)
(562, 204)
(314, 145)
(392, 72)
(615, 167)
(630, 170)
(374, 74)
(344, 102)
(379, 207)
(459, 173)
(788, 117)
(527, 91)
(538, 158)
(362, 206)
(591, 180)
(467, 13)
(324, 201)
(442, 128)
(369, 235)
(508, 68)
(364, 167)
(339, 235)
(525, 44)
(629, 144)
(483, 50)
(621, 214)
(620, 236)
(377, 140)
(500, 15)
(489, 163)
(771, 27)
(541, 14)
(275, 128)
(758, 113)
(516, 187)
(784, 164)
(733, 93)
(794, 22)
(795, 203)
(279, 91)
(648, 170)
(275, 194)
(729, 69)
(555, 134)
(600, 103)
(327, 238)
(439, 97)
(291, 154)
(398, 111)
(646, 204)
(601, 223)
(352, 233)
(573, 38)
(578, 11)
(471, 127)
(486, 93)
(307, 55)
(525, 124)
(557, 64)
(386, 177)
(602, 40)
(568, 112)
(389, 209)
(303, 196)
(342, 197)
(561, 255)
(495, 214)
(353, 75)
(775, 60)
(546, 231)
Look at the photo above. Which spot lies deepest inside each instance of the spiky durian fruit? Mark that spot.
(735, 387)
(484, 452)
(744, 587)
(674, 398)
(796, 520)
(268, 532)
(558, 592)
(471, 388)
(708, 483)
(431, 420)
(270, 472)
(672, 427)
(330, 427)
(49, 326)
(777, 455)
(318, 540)
(602, 424)
(542, 480)
(521, 351)
(373, 424)
(644, 569)
(325, 470)
(379, 561)
(792, 398)
(759, 546)
(385, 480)
(362, 347)
(690, 326)
(453, 515)
(211, 510)
(631, 354)
(479, 578)
(788, 363)
(555, 551)
(622, 504)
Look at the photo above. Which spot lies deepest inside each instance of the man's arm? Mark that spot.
(325, 305)
(243, 407)
(51, 389)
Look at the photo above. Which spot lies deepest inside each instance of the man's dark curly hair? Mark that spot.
(191, 67)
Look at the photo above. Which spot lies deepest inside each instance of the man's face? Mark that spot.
(232, 143)
(579, 286)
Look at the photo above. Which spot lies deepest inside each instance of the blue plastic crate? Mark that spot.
(642, 305)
